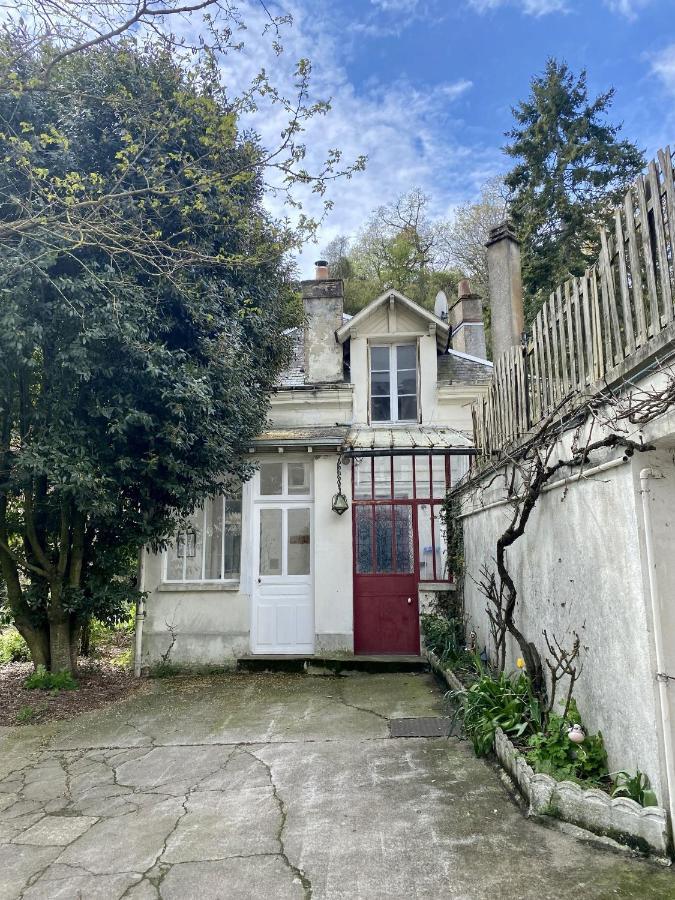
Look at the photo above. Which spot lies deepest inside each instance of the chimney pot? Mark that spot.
(464, 289)
(321, 270)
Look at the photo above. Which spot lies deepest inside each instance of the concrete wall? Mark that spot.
(581, 566)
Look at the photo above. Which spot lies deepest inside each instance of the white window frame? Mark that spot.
(230, 579)
(393, 381)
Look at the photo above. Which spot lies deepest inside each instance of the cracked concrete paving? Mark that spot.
(278, 786)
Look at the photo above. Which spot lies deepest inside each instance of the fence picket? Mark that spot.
(579, 346)
(570, 345)
(666, 164)
(648, 254)
(615, 344)
(629, 334)
(659, 228)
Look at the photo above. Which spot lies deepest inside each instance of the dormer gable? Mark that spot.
(394, 315)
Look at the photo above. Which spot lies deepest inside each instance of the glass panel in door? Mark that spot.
(298, 549)
(271, 541)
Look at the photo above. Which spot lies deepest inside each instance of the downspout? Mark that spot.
(661, 676)
(140, 614)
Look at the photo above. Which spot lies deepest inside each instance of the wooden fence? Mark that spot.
(590, 325)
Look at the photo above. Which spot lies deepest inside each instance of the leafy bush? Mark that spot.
(553, 753)
(122, 660)
(635, 787)
(50, 681)
(13, 648)
(500, 701)
(443, 636)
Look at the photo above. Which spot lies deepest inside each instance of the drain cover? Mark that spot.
(424, 726)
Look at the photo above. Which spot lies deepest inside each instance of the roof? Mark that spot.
(455, 366)
(442, 328)
(319, 436)
(406, 439)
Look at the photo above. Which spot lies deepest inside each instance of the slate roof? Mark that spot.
(455, 367)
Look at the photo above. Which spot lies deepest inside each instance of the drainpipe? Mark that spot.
(140, 614)
(661, 676)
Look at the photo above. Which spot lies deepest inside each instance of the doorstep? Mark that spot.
(331, 663)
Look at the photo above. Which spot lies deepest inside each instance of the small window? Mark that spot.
(209, 549)
(393, 383)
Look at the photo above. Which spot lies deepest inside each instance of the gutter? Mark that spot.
(140, 614)
(661, 677)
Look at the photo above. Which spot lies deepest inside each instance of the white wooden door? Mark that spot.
(283, 597)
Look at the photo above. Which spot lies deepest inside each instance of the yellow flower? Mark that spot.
(520, 662)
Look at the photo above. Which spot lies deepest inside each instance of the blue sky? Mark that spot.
(424, 88)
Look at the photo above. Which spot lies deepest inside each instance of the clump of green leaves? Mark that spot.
(41, 679)
(13, 648)
(444, 636)
(636, 787)
(28, 714)
(501, 701)
(553, 753)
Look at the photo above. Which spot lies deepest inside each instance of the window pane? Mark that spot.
(407, 409)
(459, 466)
(213, 539)
(406, 356)
(298, 478)
(382, 476)
(271, 474)
(232, 535)
(298, 542)
(364, 540)
(174, 560)
(438, 476)
(194, 547)
(362, 469)
(384, 564)
(404, 539)
(406, 383)
(379, 385)
(403, 476)
(380, 409)
(270, 541)
(426, 549)
(379, 359)
(422, 476)
(441, 545)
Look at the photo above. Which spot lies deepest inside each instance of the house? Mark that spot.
(373, 415)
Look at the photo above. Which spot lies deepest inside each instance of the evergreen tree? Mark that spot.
(571, 169)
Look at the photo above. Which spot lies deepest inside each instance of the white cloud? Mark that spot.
(663, 66)
(398, 6)
(627, 8)
(529, 7)
(411, 133)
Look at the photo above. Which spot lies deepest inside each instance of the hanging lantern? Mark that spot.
(340, 504)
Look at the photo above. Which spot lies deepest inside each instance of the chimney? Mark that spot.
(321, 269)
(466, 318)
(323, 302)
(506, 288)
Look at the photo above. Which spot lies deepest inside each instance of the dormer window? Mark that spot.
(393, 383)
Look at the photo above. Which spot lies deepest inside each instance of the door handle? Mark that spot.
(409, 599)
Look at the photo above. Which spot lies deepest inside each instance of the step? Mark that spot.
(336, 664)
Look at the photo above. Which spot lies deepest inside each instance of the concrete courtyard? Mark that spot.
(278, 786)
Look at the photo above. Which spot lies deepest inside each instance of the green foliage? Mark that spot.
(27, 714)
(444, 636)
(571, 169)
(13, 648)
(144, 306)
(636, 787)
(41, 679)
(123, 660)
(165, 670)
(498, 701)
(553, 753)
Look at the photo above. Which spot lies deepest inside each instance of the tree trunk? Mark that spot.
(85, 639)
(37, 638)
(60, 644)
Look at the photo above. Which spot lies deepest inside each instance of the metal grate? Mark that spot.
(424, 726)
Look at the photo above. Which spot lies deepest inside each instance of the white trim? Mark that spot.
(393, 382)
(484, 362)
(344, 332)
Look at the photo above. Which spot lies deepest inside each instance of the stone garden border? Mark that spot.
(625, 821)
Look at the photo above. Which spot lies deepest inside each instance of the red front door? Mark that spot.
(386, 618)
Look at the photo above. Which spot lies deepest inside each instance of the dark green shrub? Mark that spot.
(497, 701)
(553, 753)
(444, 636)
(13, 648)
(41, 679)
